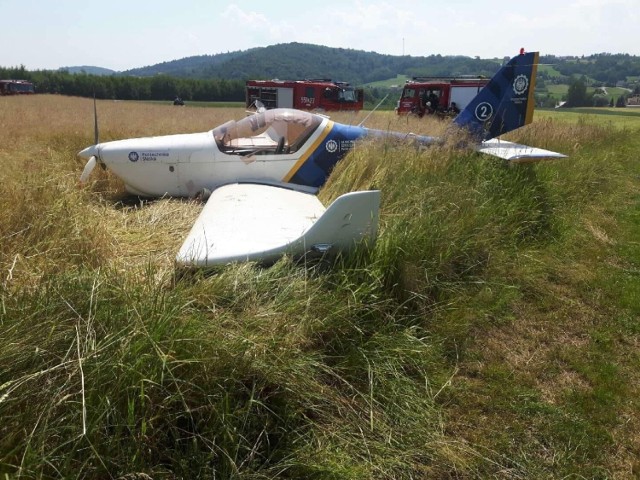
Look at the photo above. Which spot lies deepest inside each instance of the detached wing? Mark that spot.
(243, 222)
(515, 152)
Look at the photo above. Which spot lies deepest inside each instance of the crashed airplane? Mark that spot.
(260, 174)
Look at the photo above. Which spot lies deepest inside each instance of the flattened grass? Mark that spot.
(490, 332)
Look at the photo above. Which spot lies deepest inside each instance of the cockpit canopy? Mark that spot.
(280, 130)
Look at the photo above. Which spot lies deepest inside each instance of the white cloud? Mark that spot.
(244, 19)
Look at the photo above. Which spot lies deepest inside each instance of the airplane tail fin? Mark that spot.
(506, 102)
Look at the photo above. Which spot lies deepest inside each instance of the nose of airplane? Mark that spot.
(89, 152)
(91, 155)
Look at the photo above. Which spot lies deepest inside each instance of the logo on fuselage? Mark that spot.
(331, 146)
(340, 146)
(133, 156)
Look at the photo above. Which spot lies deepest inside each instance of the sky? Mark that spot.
(121, 34)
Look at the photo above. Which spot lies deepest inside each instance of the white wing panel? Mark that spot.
(243, 222)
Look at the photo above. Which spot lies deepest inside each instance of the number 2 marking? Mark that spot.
(484, 111)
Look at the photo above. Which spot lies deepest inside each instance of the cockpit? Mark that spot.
(272, 132)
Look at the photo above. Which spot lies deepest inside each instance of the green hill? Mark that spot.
(300, 60)
(89, 70)
(221, 77)
(398, 81)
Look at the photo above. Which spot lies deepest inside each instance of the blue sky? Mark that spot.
(121, 34)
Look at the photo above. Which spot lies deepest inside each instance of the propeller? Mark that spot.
(88, 168)
(95, 122)
(91, 153)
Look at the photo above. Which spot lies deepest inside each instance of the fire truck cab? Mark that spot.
(438, 95)
(16, 87)
(313, 94)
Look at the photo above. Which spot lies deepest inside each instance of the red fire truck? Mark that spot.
(16, 87)
(440, 95)
(314, 94)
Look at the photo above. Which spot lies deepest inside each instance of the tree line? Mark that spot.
(606, 68)
(222, 77)
(158, 87)
(577, 95)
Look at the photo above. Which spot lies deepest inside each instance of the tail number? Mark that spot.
(484, 111)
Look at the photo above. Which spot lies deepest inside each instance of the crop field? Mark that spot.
(491, 332)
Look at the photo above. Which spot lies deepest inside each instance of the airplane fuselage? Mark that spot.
(183, 165)
(288, 146)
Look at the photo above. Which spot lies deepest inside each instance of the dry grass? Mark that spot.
(483, 337)
(41, 136)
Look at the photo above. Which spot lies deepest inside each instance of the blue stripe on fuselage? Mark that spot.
(315, 169)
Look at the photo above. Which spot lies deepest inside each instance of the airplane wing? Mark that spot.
(515, 152)
(243, 222)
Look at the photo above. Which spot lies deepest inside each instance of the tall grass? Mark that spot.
(473, 340)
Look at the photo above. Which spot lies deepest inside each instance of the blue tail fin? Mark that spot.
(506, 102)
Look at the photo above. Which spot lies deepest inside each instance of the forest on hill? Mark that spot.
(221, 77)
(298, 60)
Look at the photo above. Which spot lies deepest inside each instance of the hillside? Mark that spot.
(299, 60)
(88, 69)
(221, 77)
(189, 67)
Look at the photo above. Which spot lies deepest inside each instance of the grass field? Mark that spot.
(201, 104)
(492, 332)
(625, 118)
(549, 70)
(398, 81)
(560, 91)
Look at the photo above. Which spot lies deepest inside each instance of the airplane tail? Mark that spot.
(506, 102)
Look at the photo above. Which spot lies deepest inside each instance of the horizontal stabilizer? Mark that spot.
(251, 222)
(515, 152)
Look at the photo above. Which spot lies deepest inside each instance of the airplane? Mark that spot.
(259, 174)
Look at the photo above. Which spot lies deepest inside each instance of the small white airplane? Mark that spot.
(264, 170)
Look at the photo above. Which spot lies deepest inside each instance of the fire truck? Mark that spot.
(16, 87)
(438, 95)
(312, 94)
